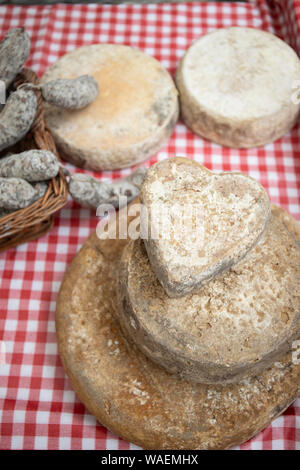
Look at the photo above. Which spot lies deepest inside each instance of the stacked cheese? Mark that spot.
(219, 303)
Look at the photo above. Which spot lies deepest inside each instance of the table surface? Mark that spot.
(38, 408)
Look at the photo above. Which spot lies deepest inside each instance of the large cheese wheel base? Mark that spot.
(133, 115)
(137, 399)
(237, 87)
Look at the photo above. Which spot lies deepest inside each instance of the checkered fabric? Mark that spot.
(38, 408)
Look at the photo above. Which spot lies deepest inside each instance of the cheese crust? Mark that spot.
(237, 87)
(133, 115)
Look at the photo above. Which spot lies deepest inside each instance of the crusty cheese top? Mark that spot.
(136, 97)
(241, 73)
(199, 222)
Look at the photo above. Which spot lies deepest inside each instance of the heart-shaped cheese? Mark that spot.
(196, 223)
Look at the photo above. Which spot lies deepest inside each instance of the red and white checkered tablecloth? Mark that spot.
(38, 408)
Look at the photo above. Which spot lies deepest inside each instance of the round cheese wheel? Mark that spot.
(237, 85)
(133, 115)
(234, 327)
(131, 395)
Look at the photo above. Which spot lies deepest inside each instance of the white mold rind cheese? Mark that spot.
(237, 85)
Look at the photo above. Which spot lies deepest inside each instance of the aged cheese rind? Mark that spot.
(214, 220)
(137, 399)
(233, 328)
(133, 115)
(234, 89)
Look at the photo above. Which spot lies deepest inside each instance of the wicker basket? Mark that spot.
(35, 220)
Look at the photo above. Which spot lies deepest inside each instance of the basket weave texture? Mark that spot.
(35, 220)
